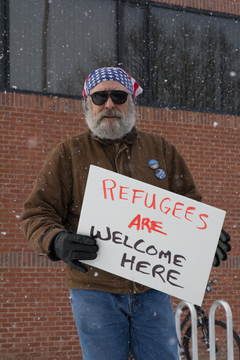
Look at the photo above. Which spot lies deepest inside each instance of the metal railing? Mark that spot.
(228, 311)
(178, 312)
(212, 353)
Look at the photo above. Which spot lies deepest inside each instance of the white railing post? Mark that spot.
(178, 312)
(228, 311)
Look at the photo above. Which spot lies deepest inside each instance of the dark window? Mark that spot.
(195, 61)
(54, 44)
(135, 45)
(3, 44)
(182, 58)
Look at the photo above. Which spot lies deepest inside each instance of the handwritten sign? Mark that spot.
(149, 235)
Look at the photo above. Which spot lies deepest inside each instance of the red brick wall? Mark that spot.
(37, 321)
(37, 318)
(223, 6)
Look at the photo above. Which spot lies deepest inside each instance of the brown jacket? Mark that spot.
(56, 200)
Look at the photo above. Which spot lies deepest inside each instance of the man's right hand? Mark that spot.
(71, 247)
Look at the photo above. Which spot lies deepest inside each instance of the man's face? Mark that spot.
(110, 121)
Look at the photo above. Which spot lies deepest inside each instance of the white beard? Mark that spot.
(110, 129)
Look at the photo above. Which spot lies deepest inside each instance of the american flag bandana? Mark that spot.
(111, 73)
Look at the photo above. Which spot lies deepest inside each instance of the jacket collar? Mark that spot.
(128, 138)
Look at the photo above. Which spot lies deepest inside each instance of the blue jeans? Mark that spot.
(111, 325)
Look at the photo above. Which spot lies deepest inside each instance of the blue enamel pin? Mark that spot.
(153, 164)
(160, 174)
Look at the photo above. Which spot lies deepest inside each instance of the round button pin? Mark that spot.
(153, 164)
(160, 174)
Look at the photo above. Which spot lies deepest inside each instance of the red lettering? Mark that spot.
(167, 209)
(177, 209)
(121, 193)
(135, 196)
(110, 188)
(153, 204)
(145, 222)
(189, 212)
(156, 226)
(151, 225)
(135, 222)
(205, 225)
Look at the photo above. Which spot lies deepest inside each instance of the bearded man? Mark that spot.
(113, 315)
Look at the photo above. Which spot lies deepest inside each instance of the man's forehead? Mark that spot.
(109, 85)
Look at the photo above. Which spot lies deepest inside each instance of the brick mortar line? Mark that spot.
(33, 260)
(27, 260)
(150, 115)
(144, 113)
(222, 6)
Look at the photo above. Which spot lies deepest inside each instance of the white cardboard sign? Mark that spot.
(149, 235)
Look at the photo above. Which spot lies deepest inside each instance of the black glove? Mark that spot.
(222, 248)
(71, 247)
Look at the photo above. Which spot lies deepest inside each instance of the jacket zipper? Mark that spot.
(117, 147)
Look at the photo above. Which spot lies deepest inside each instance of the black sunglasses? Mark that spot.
(119, 97)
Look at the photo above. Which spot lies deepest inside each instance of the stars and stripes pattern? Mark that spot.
(111, 73)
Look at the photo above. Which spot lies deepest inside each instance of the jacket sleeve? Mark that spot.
(45, 210)
(180, 178)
